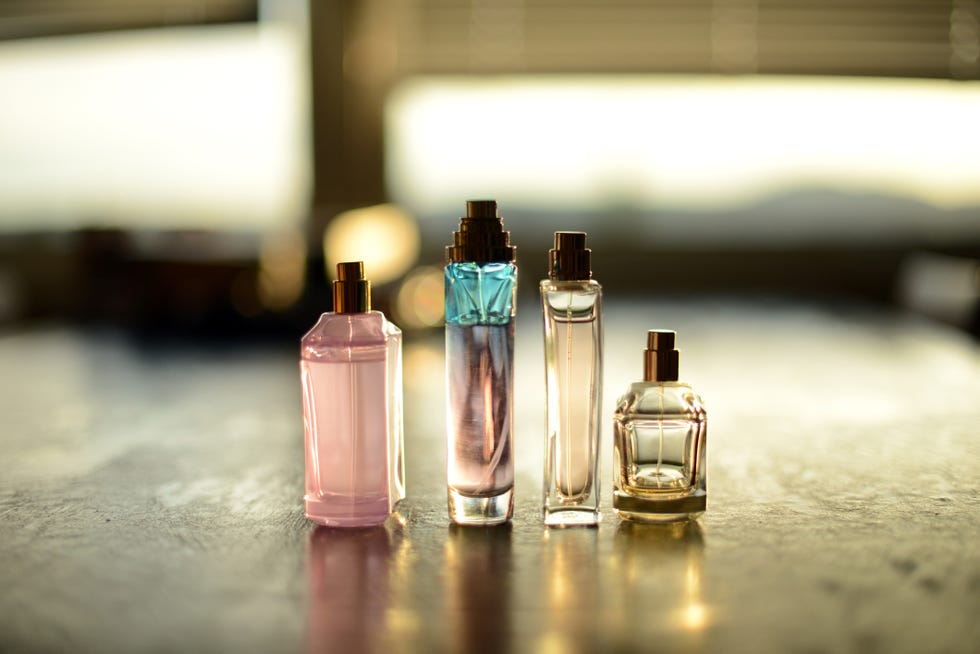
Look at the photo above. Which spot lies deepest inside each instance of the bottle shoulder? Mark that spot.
(492, 269)
(661, 398)
(583, 286)
(392, 330)
(480, 293)
(576, 301)
(348, 331)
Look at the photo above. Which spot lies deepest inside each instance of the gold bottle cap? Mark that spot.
(660, 359)
(351, 292)
(569, 260)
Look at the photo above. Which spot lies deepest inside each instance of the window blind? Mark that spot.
(904, 38)
(34, 18)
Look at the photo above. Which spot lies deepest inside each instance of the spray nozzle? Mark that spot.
(569, 260)
(351, 292)
(660, 359)
(481, 236)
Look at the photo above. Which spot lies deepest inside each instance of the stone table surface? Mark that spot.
(150, 500)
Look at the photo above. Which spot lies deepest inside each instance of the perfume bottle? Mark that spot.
(572, 306)
(350, 368)
(481, 286)
(659, 432)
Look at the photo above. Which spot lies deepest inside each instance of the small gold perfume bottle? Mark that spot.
(659, 432)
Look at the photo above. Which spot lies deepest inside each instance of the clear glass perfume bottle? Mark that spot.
(572, 307)
(350, 368)
(481, 285)
(659, 432)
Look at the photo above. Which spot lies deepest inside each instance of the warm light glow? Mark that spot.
(556, 642)
(199, 128)
(420, 299)
(695, 617)
(692, 576)
(703, 142)
(561, 594)
(424, 363)
(402, 619)
(695, 614)
(383, 236)
(403, 622)
(282, 269)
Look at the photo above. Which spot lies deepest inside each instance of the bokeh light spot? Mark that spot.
(420, 298)
(383, 236)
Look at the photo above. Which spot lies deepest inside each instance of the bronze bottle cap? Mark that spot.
(481, 236)
(660, 359)
(569, 260)
(351, 292)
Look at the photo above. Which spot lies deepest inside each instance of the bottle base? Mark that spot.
(656, 518)
(481, 510)
(667, 509)
(572, 517)
(348, 514)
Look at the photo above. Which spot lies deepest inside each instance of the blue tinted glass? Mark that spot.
(480, 294)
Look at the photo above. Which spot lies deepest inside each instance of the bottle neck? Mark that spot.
(660, 365)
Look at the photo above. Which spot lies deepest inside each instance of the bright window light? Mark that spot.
(202, 127)
(702, 143)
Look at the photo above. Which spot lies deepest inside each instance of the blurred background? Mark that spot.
(793, 185)
(197, 167)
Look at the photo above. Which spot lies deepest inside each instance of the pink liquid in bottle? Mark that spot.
(350, 364)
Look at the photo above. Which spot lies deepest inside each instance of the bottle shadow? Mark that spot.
(661, 568)
(570, 591)
(349, 579)
(478, 584)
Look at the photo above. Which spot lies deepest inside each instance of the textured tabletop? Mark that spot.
(150, 500)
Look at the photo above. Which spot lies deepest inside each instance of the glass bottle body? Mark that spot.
(480, 384)
(659, 439)
(573, 374)
(350, 368)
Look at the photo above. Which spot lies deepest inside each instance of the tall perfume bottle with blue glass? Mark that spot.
(481, 287)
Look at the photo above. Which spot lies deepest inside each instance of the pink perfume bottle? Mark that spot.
(350, 366)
